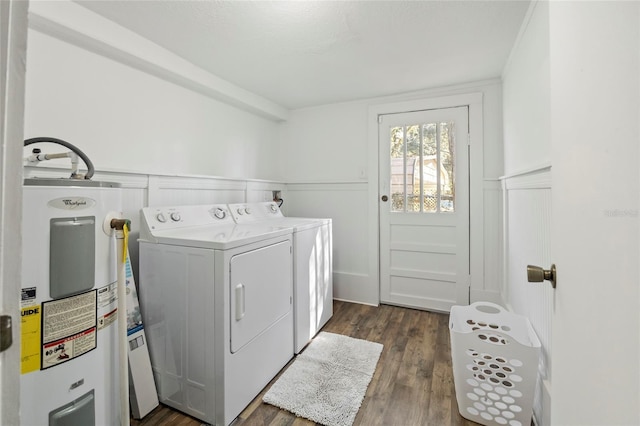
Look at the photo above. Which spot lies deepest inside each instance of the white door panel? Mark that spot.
(255, 306)
(424, 208)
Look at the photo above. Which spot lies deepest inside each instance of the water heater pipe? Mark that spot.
(121, 226)
(76, 151)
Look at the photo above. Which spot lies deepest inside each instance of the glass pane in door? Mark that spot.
(414, 145)
(430, 168)
(447, 185)
(422, 168)
(398, 169)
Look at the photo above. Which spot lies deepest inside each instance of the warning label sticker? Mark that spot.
(107, 305)
(107, 295)
(107, 319)
(69, 328)
(30, 339)
(63, 350)
(27, 296)
(65, 317)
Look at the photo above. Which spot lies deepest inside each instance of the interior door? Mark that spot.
(424, 208)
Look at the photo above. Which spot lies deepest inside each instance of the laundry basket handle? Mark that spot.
(488, 308)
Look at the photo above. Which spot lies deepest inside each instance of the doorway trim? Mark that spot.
(13, 53)
(476, 176)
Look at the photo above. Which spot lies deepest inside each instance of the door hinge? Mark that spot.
(379, 119)
(6, 332)
(468, 139)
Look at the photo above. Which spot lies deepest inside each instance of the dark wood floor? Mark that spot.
(412, 385)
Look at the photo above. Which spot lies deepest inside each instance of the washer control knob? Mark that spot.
(274, 208)
(219, 213)
(161, 217)
(247, 210)
(240, 212)
(175, 216)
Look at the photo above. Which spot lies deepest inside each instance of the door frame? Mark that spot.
(476, 177)
(13, 52)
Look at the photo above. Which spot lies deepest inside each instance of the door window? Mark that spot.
(422, 167)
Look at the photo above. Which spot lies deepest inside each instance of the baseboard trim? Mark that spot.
(355, 288)
(485, 296)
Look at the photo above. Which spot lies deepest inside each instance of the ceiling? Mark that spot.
(307, 53)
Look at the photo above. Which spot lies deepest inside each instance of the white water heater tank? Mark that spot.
(69, 341)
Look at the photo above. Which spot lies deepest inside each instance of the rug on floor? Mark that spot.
(327, 382)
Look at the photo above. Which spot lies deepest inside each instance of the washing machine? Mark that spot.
(217, 300)
(312, 265)
(68, 333)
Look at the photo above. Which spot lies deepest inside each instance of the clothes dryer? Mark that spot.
(312, 265)
(216, 298)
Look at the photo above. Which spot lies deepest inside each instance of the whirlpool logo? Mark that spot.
(72, 203)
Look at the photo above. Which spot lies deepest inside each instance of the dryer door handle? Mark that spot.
(239, 302)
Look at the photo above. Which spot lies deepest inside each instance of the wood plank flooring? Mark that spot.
(412, 385)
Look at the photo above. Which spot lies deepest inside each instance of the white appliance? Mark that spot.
(312, 265)
(69, 339)
(216, 299)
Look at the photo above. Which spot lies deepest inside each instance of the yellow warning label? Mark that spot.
(30, 337)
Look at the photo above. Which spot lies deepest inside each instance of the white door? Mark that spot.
(424, 208)
(595, 130)
(13, 38)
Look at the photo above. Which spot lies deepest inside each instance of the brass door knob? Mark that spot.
(536, 274)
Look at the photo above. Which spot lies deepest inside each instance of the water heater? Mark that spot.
(69, 331)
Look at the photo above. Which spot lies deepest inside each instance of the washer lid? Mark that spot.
(270, 212)
(297, 223)
(221, 237)
(204, 226)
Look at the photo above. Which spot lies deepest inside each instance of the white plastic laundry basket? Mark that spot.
(495, 362)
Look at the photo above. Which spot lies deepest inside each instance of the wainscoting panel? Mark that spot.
(527, 227)
(346, 204)
(142, 190)
(487, 284)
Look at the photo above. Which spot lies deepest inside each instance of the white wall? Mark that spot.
(132, 105)
(125, 119)
(526, 96)
(325, 144)
(324, 160)
(527, 187)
